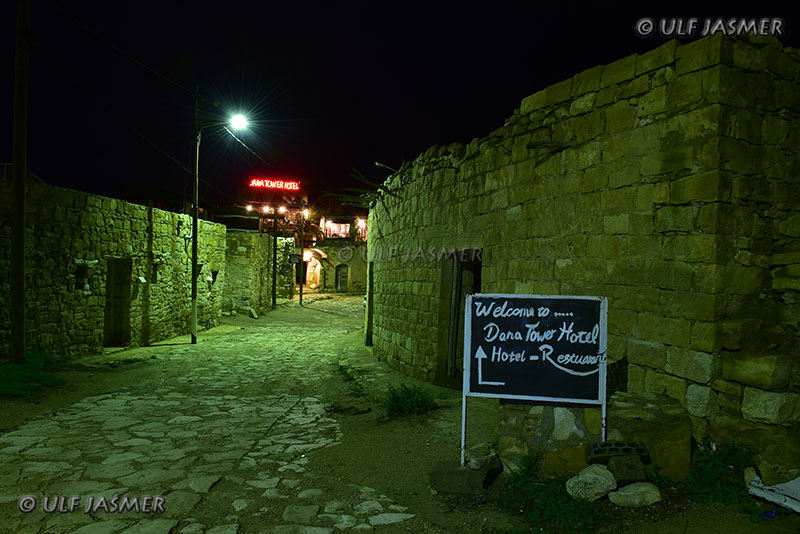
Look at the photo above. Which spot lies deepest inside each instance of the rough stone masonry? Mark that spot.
(665, 181)
(248, 272)
(103, 272)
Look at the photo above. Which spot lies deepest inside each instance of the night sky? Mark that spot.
(329, 87)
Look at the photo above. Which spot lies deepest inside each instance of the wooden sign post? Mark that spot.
(547, 348)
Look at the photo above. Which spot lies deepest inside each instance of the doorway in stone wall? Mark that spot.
(461, 275)
(342, 274)
(117, 327)
(368, 305)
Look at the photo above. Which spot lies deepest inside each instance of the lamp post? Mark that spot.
(237, 122)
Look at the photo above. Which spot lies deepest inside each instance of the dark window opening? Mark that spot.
(81, 277)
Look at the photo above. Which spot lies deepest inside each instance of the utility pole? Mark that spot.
(20, 168)
(195, 212)
(237, 122)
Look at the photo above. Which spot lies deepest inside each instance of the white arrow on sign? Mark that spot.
(480, 356)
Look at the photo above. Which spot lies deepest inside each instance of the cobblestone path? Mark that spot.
(223, 438)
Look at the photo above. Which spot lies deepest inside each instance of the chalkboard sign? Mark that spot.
(548, 348)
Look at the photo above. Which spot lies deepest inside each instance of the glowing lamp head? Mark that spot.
(282, 209)
(265, 209)
(238, 122)
(305, 213)
(249, 207)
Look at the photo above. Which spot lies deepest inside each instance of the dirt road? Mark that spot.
(265, 426)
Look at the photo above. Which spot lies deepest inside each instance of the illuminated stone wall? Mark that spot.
(71, 239)
(666, 181)
(347, 253)
(249, 271)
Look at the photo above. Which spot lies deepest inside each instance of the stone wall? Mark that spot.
(331, 257)
(72, 241)
(249, 270)
(665, 181)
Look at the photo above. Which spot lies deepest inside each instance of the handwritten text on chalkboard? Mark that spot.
(536, 346)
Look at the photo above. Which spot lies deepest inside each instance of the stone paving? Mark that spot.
(225, 445)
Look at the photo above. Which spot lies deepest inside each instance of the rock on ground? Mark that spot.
(636, 495)
(591, 483)
(627, 469)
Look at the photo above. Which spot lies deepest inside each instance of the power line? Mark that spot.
(153, 71)
(248, 148)
(115, 47)
(120, 117)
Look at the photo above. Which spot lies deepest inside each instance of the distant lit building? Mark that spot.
(333, 247)
(266, 204)
(344, 227)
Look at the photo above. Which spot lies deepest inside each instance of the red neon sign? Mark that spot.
(266, 183)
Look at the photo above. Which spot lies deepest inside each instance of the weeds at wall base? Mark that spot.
(545, 503)
(716, 475)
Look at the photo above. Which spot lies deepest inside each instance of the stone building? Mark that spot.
(102, 272)
(340, 268)
(338, 260)
(666, 181)
(248, 281)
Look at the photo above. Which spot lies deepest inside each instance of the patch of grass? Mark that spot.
(29, 378)
(716, 476)
(407, 400)
(348, 375)
(545, 504)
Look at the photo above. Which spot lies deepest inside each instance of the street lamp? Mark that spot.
(237, 123)
(379, 164)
